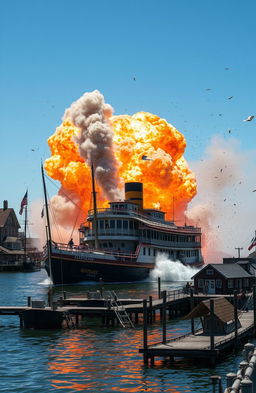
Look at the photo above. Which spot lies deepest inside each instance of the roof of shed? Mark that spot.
(223, 309)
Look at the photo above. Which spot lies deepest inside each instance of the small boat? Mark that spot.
(120, 243)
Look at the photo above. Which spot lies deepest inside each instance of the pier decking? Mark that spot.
(198, 345)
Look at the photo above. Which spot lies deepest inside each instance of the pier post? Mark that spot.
(246, 385)
(191, 308)
(159, 287)
(150, 310)
(254, 309)
(29, 302)
(145, 332)
(216, 380)
(248, 350)
(164, 317)
(230, 377)
(212, 323)
(64, 295)
(235, 317)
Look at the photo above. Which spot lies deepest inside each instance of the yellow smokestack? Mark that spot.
(134, 193)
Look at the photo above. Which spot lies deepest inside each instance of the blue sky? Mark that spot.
(54, 51)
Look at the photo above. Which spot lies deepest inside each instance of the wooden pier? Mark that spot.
(198, 345)
(110, 310)
(204, 343)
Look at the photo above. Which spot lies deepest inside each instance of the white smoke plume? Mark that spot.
(169, 270)
(91, 114)
(222, 205)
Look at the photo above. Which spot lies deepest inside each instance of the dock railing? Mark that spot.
(244, 380)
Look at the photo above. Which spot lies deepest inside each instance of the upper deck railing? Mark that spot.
(106, 212)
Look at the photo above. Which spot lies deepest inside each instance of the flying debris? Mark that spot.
(220, 114)
(230, 98)
(226, 68)
(32, 149)
(229, 131)
(249, 118)
(134, 78)
(208, 89)
(225, 200)
(253, 190)
(145, 158)
(221, 170)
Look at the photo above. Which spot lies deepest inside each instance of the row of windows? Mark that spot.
(118, 224)
(154, 251)
(149, 234)
(202, 283)
(189, 253)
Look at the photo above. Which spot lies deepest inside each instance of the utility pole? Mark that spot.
(238, 250)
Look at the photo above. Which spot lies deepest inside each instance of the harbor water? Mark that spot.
(92, 358)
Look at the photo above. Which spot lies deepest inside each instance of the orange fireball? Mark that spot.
(168, 182)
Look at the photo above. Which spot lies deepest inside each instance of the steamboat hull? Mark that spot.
(69, 271)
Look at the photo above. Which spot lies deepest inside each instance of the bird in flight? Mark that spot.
(230, 98)
(249, 118)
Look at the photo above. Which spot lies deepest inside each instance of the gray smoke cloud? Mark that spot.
(91, 114)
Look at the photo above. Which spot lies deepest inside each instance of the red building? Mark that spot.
(217, 278)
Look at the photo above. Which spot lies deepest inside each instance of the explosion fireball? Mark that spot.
(115, 145)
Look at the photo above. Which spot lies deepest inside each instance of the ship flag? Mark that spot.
(24, 202)
(253, 243)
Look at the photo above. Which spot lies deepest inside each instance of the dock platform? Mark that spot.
(198, 345)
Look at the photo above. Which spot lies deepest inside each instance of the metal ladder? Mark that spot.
(120, 311)
(69, 321)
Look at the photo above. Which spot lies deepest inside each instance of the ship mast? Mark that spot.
(48, 231)
(96, 237)
(25, 235)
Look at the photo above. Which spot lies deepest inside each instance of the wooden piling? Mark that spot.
(159, 287)
(150, 310)
(145, 332)
(164, 317)
(29, 301)
(212, 324)
(235, 317)
(191, 308)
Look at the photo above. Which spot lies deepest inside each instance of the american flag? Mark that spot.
(24, 202)
(253, 243)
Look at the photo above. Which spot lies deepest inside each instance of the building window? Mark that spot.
(230, 284)
(218, 283)
(200, 283)
(125, 224)
(209, 272)
(112, 223)
(119, 224)
(149, 251)
(144, 250)
(246, 282)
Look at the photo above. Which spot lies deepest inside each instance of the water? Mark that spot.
(93, 358)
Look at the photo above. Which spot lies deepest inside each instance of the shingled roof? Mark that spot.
(4, 214)
(227, 270)
(223, 310)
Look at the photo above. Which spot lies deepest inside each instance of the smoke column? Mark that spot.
(91, 115)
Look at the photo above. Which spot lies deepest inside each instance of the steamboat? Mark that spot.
(120, 243)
